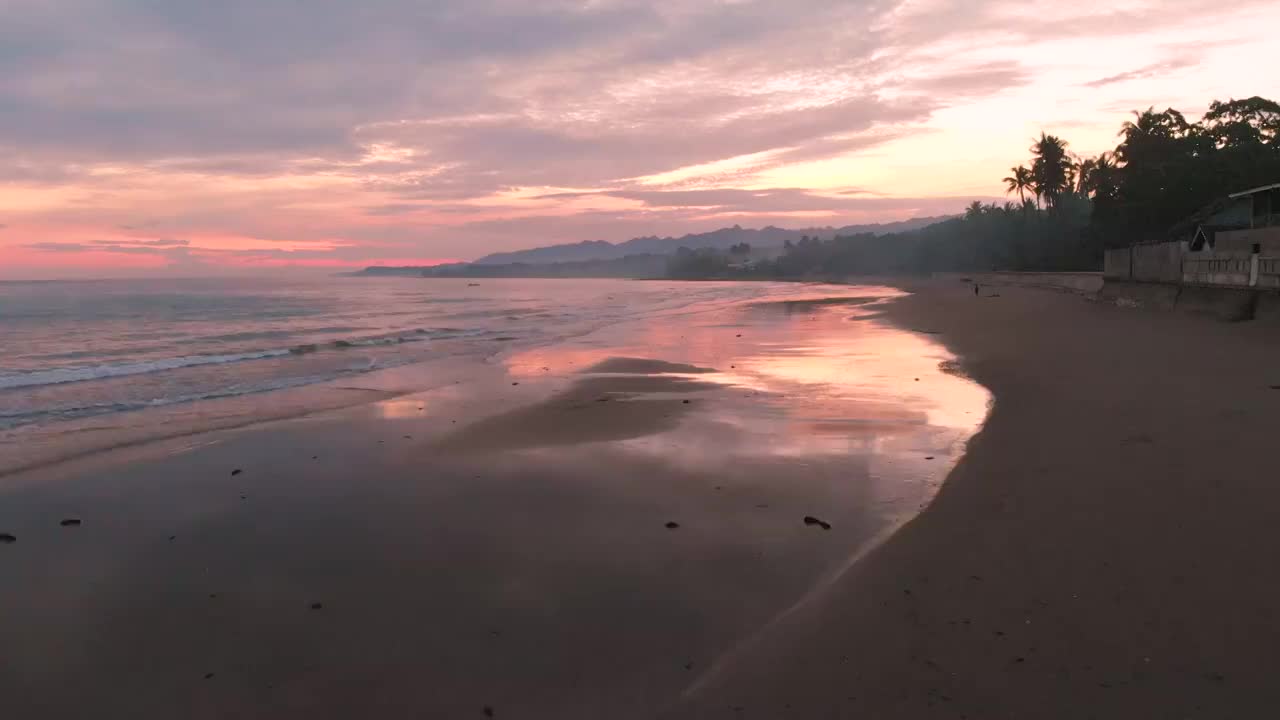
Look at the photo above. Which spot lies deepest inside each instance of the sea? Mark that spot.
(71, 350)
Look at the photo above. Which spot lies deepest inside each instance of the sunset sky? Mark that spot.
(188, 137)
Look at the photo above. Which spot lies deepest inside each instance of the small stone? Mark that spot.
(315, 457)
(317, 606)
(172, 538)
(928, 457)
(70, 522)
(811, 520)
(208, 676)
(686, 402)
(235, 472)
(408, 437)
(488, 711)
(672, 525)
(515, 383)
(7, 538)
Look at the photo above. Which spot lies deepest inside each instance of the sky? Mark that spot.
(189, 137)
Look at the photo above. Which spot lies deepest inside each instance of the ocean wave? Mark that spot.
(98, 372)
(10, 420)
(59, 376)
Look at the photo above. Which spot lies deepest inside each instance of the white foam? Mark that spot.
(98, 372)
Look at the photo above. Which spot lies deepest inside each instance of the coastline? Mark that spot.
(572, 530)
(1104, 548)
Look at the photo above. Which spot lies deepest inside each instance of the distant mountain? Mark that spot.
(720, 239)
(396, 270)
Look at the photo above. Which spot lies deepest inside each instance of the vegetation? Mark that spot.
(1070, 208)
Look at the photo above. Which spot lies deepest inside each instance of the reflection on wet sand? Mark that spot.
(487, 543)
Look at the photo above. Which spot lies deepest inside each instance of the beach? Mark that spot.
(578, 522)
(771, 508)
(1106, 547)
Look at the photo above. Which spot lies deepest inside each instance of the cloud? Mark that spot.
(1148, 71)
(394, 124)
(158, 246)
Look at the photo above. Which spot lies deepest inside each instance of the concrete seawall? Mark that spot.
(1231, 304)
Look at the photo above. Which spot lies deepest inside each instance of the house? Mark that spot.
(1243, 222)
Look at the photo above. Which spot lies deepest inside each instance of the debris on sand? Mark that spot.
(672, 525)
(317, 606)
(70, 522)
(7, 538)
(811, 520)
(686, 402)
(235, 472)
(928, 457)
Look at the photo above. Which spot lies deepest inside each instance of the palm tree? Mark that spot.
(1102, 180)
(1020, 182)
(1050, 168)
(974, 210)
(1084, 169)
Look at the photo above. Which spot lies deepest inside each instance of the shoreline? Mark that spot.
(575, 530)
(1103, 547)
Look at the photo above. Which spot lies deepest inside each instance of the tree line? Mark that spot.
(1070, 208)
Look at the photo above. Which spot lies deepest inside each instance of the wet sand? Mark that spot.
(1107, 548)
(579, 530)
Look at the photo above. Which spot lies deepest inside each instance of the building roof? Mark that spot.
(1254, 191)
(1206, 233)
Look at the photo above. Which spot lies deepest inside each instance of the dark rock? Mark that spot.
(408, 437)
(928, 457)
(235, 472)
(672, 525)
(811, 520)
(488, 711)
(70, 522)
(317, 606)
(686, 402)
(515, 383)
(7, 538)
(208, 676)
(315, 457)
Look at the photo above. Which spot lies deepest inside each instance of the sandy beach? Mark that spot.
(570, 529)
(1105, 549)
(630, 525)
